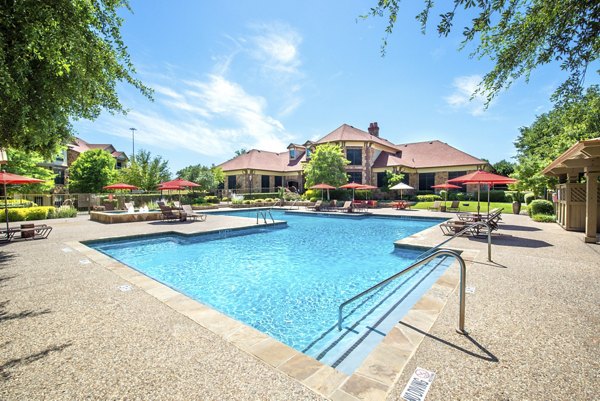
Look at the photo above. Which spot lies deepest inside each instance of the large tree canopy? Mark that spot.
(91, 171)
(145, 171)
(553, 133)
(326, 165)
(519, 35)
(209, 178)
(27, 164)
(59, 60)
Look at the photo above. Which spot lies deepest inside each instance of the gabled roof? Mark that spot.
(347, 133)
(426, 155)
(264, 160)
(80, 146)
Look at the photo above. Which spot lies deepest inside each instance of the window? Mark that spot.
(426, 181)
(278, 181)
(264, 183)
(292, 153)
(355, 177)
(307, 153)
(454, 174)
(60, 177)
(355, 156)
(381, 179)
(231, 182)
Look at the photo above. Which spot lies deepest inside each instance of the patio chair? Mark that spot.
(454, 207)
(26, 231)
(437, 206)
(317, 206)
(189, 212)
(167, 214)
(347, 207)
(128, 205)
(401, 205)
(332, 207)
(452, 227)
(177, 205)
(359, 206)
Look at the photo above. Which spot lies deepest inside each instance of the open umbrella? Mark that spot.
(178, 184)
(368, 188)
(483, 177)
(323, 186)
(446, 186)
(120, 186)
(8, 178)
(170, 188)
(353, 186)
(401, 186)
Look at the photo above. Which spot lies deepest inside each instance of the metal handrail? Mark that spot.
(425, 257)
(278, 201)
(463, 274)
(264, 216)
(294, 204)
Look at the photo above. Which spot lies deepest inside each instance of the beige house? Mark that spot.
(577, 204)
(423, 163)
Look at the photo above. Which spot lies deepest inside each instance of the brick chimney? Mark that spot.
(374, 129)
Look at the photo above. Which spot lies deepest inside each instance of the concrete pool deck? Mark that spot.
(68, 332)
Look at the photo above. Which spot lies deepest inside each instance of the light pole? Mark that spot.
(133, 141)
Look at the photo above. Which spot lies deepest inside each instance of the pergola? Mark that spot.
(578, 204)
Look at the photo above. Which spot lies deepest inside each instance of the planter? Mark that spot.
(516, 206)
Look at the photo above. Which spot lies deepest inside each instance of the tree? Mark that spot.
(23, 163)
(240, 152)
(60, 60)
(326, 165)
(519, 35)
(392, 179)
(209, 178)
(504, 167)
(91, 171)
(553, 133)
(145, 171)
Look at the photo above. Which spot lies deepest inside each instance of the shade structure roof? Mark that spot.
(9, 178)
(352, 185)
(482, 177)
(583, 155)
(322, 186)
(120, 186)
(180, 183)
(401, 185)
(446, 186)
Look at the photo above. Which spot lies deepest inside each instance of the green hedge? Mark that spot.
(529, 198)
(27, 214)
(544, 218)
(428, 198)
(541, 206)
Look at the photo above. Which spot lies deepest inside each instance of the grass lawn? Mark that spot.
(472, 206)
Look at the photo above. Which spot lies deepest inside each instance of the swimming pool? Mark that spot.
(288, 282)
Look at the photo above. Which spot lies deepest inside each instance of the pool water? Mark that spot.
(287, 282)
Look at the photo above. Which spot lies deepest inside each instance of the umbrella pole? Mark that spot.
(478, 197)
(488, 213)
(6, 209)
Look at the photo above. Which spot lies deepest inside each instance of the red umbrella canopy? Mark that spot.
(168, 187)
(367, 187)
(9, 178)
(322, 186)
(179, 183)
(120, 186)
(482, 177)
(446, 186)
(352, 185)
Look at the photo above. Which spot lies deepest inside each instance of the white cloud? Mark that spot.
(276, 47)
(464, 96)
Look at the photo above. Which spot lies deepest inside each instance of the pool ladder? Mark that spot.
(426, 257)
(264, 215)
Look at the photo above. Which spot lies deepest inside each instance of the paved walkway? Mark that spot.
(68, 332)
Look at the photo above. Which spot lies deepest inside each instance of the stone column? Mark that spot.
(591, 206)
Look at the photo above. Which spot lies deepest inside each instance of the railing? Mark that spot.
(425, 257)
(279, 201)
(294, 204)
(264, 214)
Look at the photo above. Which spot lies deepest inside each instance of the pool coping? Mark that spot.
(372, 380)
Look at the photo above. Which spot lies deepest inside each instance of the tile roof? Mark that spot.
(433, 154)
(80, 146)
(263, 160)
(347, 133)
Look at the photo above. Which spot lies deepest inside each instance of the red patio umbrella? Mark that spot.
(353, 186)
(446, 186)
(120, 186)
(8, 178)
(368, 188)
(483, 177)
(323, 186)
(179, 183)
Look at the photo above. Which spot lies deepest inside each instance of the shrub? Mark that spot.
(247, 202)
(544, 218)
(428, 192)
(461, 196)
(529, 198)
(258, 200)
(26, 214)
(62, 212)
(497, 195)
(225, 199)
(237, 199)
(541, 206)
(428, 198)
(211, 199)
(443, 194)
(313, 199)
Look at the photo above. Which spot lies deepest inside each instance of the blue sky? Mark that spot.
(261, 74)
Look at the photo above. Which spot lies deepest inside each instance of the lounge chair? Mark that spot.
(454, 207)
(190, 214)
(437, 206)
(359, 206)
(176, 205)
(347, 207)
(27, 231)
(128, 206)
(452, 227)
(167, 214)
(317, 206)
(332, 207)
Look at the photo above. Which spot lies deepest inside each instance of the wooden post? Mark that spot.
(591, 206)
